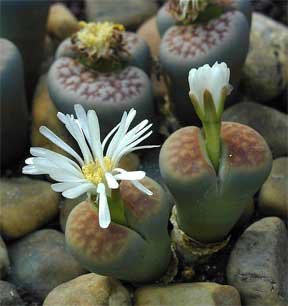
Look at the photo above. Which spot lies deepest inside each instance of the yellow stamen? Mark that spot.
(94, 172)
(97, 36)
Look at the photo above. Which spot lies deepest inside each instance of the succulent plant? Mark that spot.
(167, 15)
(213, 172)
(121, 229)
(102, 67)
(138, 251)
(24, 23)
(14, 113)
(198, 32)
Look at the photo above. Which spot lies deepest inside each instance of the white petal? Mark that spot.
(130, 117)
(32, 170)
(109, 135)
(75, 130)
(44, 164)
(117, 137)
(60, 176)
(145, 147)
(184, 4)
(94, 132)
(29, 161)
(129, 175)
(54, 169)
(60, 143)
(83, 121)
(213, 79)
(78, 190)
(130, 147)
(142, 188)
(104, 213)
(131, 136)
(60, 160)
(60, 187)
(111, 181)
(61, 117)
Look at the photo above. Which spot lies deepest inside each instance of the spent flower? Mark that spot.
(92, 172)
(101, 41)
(187, 11)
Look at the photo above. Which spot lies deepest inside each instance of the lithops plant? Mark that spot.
(198, 32)
(14, 113)
(171, 13)
(24, 23)
(136, 251)
(121, 229)
(137, 55)
(102, 67)
(212, 172)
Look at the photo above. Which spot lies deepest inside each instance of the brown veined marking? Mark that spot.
(76, 78)
(195, 40)
(230, 3)
(139, 203)
(84, 233)
(184, 154)
(245, 146)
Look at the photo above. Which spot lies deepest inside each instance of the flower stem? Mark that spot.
(116, 207)
(213, 141)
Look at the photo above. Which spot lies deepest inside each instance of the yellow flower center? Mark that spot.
(97, 36)
(94, 173)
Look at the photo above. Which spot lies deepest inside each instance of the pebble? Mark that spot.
(131, 13)
(4, 259)
(61, 22)
(265, 74)
(188, 294)
(90, 289)
(269, 122)
(9, 295)
(39, 262)
(26, 205)
(258, 264)
(273, 197)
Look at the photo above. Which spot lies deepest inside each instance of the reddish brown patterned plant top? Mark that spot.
(131, 41)
(183, 153)
(107, 87)
(84, 233)
(245, 146)
(198, 39)
(140, 204)
(230, 3)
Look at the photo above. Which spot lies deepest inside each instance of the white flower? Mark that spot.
(196, 6)
(213, 79)
(184, 5)
(93, 173)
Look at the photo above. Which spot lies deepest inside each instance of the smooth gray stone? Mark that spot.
(39, 262)
(270, 123)
(258, 264)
